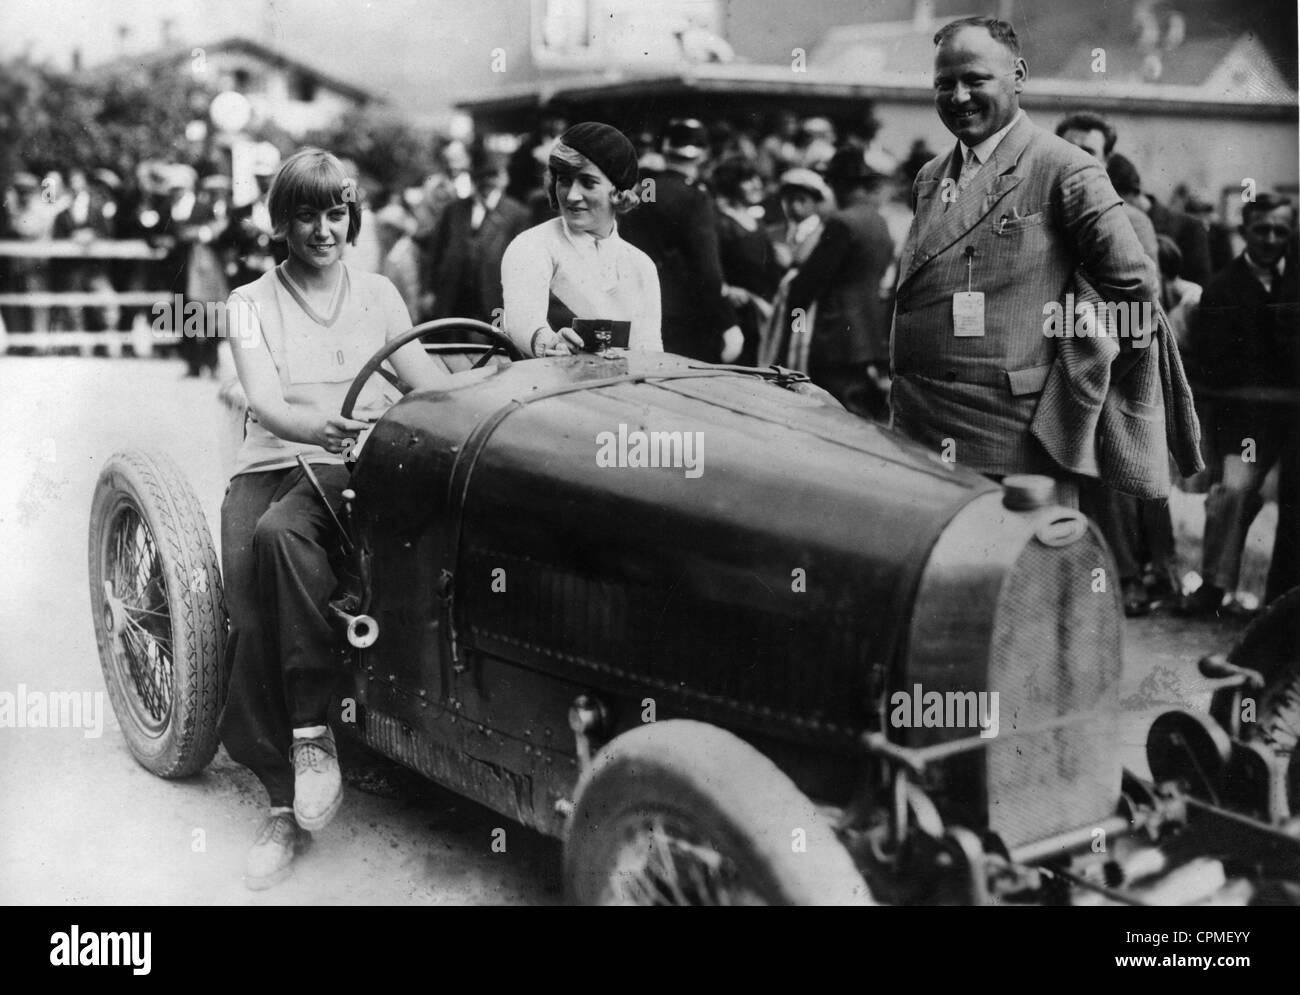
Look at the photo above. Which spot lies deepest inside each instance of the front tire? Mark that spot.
(159, 612)
(685, 813)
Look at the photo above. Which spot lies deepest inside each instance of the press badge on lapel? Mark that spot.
(968, 314)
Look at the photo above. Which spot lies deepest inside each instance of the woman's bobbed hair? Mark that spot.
(313, 178)
(730, 175)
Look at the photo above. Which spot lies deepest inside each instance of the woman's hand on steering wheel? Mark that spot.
(337, 434)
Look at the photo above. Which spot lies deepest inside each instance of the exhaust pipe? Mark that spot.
(362, 629)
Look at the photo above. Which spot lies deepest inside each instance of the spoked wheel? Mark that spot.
(1271, 646)
(159, 612)
(1278, 727)
(661, 859)
(684, 813)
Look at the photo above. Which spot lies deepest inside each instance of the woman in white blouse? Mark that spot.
(578, 261)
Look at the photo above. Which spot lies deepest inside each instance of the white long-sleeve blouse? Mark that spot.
(593, 278)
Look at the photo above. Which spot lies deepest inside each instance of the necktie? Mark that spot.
(970, 166)
(1274, 279)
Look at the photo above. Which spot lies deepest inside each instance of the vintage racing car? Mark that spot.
(733, 645)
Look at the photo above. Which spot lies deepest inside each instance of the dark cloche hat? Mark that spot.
(608, 148)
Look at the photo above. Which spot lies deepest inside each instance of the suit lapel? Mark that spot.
(939, 225)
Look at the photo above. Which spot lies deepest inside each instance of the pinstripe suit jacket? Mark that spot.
(1037, 213)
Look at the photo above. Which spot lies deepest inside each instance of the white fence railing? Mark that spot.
(141, 337)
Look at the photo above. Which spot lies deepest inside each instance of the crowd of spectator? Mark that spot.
(806, 219)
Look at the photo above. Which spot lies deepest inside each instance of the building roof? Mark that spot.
(1238, 68)
(1218, 69)
(848, 81)
(257, 50)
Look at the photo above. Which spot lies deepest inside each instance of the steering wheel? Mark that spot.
(501, 343)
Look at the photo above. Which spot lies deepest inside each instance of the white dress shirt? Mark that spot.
(983, 151)
(479, 210)
(1265, 274)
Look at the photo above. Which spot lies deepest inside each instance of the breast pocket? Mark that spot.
(926, 189)
(1012, 225)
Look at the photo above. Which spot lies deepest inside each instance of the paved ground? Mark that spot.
(82, 823)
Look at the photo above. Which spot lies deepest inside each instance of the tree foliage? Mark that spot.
(383, 145)
(114, 116)
(118, 115)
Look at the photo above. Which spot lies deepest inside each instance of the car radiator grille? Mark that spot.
(1053, 656)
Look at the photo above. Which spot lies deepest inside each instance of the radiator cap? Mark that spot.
(1027, 491)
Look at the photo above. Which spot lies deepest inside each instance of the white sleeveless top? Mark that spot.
(316, 355)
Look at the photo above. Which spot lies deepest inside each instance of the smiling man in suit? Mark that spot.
(1008, 223)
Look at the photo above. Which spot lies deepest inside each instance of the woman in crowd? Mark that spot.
(576, 265)
(749, 268)
(804, 194)
(299, 334)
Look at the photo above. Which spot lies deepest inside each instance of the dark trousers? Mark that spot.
(199, 351)
(1138, 531)
(1234, 500)
(282, 655)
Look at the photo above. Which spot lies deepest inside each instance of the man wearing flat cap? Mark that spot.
(847, 342)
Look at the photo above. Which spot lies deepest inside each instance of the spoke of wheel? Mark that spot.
(664, 857)
(162, 642)
(118, 564)
(150, 672)
(137, 657)
(701, 875)
(136, 610)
